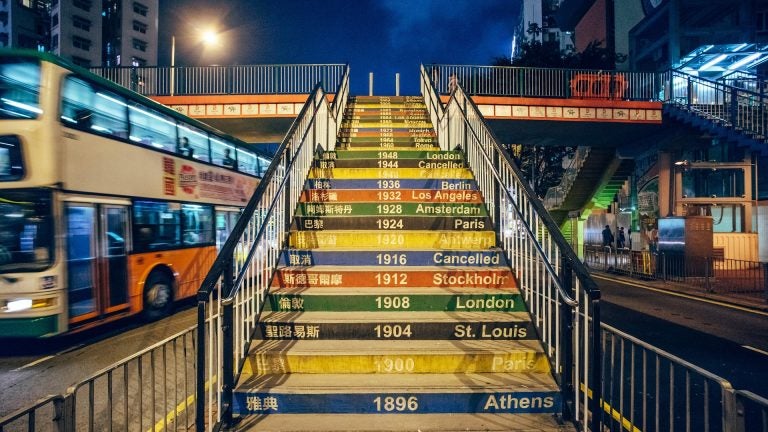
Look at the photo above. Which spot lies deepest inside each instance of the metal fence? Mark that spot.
(728, 277)
(232, 295)
(547, 82)
(210, 80)
(151, 390)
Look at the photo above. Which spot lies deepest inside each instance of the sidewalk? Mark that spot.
(748, 302)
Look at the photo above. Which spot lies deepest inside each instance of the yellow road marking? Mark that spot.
(626, 424)
(180, 408)
(683, 295)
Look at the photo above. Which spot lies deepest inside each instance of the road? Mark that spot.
(729, 341)
(30, 370)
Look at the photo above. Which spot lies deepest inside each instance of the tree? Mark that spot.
(542, 167)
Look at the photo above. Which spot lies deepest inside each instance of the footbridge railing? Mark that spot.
(562, 298)
(609, 379)
(231, 298)
(216, 80)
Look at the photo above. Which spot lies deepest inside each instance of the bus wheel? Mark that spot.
(158, 296)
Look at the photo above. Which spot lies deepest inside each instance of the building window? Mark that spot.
(54, 42)
(138, 61)
(54, 20)
(761, 26)
(4, 18)
(81, 23)
(82, 43)
(140, 9)
(139, 45)
(82, 4)
(139, 27)
(81, 61)
(4, 39)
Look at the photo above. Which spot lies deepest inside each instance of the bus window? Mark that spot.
(197, 224)
(26, 230)
(198, 141)
(219, 152)
(76, 102)
(19, 88)
(247, 161)
(11, 161)
(150, 127)
(225, 221)
(155, 225)
(87, 107)
(109, 114)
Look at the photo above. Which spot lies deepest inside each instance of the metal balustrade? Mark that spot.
(224, 80)
(561, 297)
(231, 298)
(556, 195)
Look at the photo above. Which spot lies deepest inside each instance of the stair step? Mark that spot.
(390, 173)
(392, 240)
(399, 195)
(356, 257)
(403, 394)
(376, 299)
(395, 325)
(402, 223)
(394, 278)
(393, 154)
(441, 184)
(389, 163)
(391, 209)
(396, 422)
(394, 357)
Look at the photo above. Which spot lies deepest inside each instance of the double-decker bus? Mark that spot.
(110, 204)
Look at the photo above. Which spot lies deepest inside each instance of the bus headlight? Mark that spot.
(18, 305)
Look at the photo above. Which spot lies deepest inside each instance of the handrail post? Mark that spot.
(597, 366)
(227, 365)
(689, 93)
(734, 107)
(200, 384)
(567, 388)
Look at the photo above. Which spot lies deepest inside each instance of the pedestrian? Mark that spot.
(620, 239)
(607, 236)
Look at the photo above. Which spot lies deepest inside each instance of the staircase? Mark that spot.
(392, 308)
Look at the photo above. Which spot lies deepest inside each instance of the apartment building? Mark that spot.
(87, 32)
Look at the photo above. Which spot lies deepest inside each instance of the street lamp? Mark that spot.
(209, 37)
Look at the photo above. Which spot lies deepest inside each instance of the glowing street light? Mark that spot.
(209, 37)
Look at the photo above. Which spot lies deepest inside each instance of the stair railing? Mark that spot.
(728, 106)
(563, 300)
(232, 295)
(556, 195)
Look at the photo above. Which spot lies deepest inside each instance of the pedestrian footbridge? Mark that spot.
(393, 271)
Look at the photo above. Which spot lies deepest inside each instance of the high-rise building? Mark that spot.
(87, 32)
(24, 24)
(538, 23)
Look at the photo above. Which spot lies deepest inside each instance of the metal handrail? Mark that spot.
(571, 332)
(236, 79)
(556, 194)
(242, 271)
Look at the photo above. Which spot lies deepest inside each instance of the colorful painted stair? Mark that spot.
(392, 308)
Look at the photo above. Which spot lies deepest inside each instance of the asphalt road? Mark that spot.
(33, 369)
(729, 341)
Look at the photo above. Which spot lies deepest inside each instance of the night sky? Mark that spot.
(383, 37)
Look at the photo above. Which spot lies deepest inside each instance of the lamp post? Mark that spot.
(173, 61)
(209, 37)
